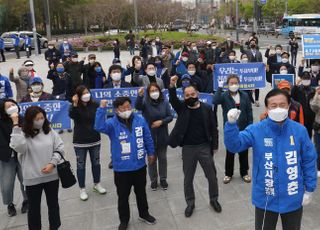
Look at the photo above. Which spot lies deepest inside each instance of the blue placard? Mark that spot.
(251, 75)
(57, 112)
(276, 78)
(263, 2)
(111, 94)
(310, 46)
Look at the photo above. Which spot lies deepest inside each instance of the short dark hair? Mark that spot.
(306, 75)
(29, 116)
(232, 51)
(276, 92)
(150, 63)
(233, 76)
(120, 101)
(191, 63)
(114, 67)
(278, 46)
(192, 86)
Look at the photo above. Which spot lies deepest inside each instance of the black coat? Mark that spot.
(180, 128)
(5, 134)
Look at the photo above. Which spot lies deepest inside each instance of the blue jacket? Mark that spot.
(1, 43)
(284, 162)
(5, 88)
(139, 140)
(16, 40)
(27, 41)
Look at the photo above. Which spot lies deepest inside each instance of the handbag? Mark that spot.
(66, 173)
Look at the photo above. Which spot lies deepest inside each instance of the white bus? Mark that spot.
(301, 24)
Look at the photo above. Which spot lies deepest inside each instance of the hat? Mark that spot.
(116, 60)
(35, 80)
(185, 54)
(90, 56)
(185, 76)
(284, 84)
(28, 62)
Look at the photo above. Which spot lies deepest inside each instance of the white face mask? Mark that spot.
(36, 88)
(234, 88)
(278, 114)
(163, 53)
(315, 69)
(272, 52)
(50, 47)
(191, 72)
(116, 76)
(285, 60)
(86, 97)
(91, 61)
(278, 51)
(306, 82)
(74, 59)
(38, 124)
(213, 47)
(231, 57)
(155, 95)
(194, 48)
(244, 60)
(125, 114)
(151, 73)
(283, 71)
(185, 59)
(13, 109)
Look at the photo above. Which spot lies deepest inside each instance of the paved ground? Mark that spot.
(100, 211)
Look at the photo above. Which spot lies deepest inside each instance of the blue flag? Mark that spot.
(57, 112)
(311, 46)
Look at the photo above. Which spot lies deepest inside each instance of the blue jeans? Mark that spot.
(81, 153)
(131, 49)
(8, 172)
(317, 144)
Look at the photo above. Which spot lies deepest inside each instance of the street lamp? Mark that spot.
(34, 29)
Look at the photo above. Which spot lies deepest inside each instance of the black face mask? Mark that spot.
(191, 101)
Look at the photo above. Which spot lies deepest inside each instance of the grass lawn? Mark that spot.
(168, 38)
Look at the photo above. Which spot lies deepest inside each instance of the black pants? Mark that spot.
(17, 50)
(28, 51)
(34, 194)
(293, 58)
(290, 220)
(191, 155)
(124, 181)
(256, 94)
(3, 58)
(243, 161)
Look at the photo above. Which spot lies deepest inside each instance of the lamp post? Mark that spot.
(34, 29)
(135, 7)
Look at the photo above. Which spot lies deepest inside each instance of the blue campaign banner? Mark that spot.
(57, 112)
(311, 46)
(111, 94)
(276, 78)
(263, 2)
(251, 75)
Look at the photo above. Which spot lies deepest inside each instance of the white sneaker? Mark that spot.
(318, 173)
(99, 189)
(83, 194)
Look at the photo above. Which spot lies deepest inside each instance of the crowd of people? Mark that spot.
(285, 161)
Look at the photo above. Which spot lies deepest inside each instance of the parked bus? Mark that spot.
(301, 24)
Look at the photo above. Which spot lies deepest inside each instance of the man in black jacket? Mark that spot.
(196, 132)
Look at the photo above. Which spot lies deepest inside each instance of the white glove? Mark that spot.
(233, 115)
(307, 197)
(220, 83)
